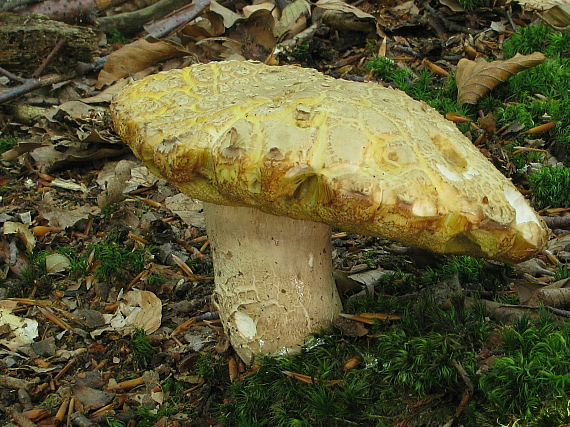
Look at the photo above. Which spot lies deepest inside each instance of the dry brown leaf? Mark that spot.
(135, 57)
(476, 78)
(342, 16)
(558, 298)
(293, 19)
(256, 35)
(229, 17)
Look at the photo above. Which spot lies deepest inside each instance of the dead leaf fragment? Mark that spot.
(293, 19)
(342, 16)
(476, 78)
(22, 331)
(135, 57)
(22, 231)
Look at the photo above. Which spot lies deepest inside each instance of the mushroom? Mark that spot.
(280, 155)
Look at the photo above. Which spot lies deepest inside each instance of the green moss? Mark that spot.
(142, 349)
(538, 38)
(470, 4)
(115, 36)
(402, 364)
(533, 369)
(301, 51)
(549, 187)
(115, 263)
(7, 143)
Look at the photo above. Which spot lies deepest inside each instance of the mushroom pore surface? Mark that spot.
(360, 157)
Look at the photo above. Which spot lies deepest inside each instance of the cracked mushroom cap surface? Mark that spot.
(293, 142)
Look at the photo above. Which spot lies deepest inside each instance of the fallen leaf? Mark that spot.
(22, 231)
(135, 57)
(63, 217)
(188, 209)
(228, 16)
(476, 78)
(22, 331)
(293, 19)
(56, 263)
(342, 16)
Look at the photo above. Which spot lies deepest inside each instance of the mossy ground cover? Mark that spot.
(417, 370)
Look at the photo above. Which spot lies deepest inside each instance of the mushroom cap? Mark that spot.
(291, 141)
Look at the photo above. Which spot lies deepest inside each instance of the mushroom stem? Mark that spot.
(274, 282)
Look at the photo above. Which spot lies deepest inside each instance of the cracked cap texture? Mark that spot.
(291, 141)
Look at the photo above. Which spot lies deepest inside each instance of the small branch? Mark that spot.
(557, 221)
(60, 45)
(131, 22)
(12, 76)
(30, 85)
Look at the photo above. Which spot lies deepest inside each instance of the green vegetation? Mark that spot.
(115, 263)
(415, 360)
(550, 187)
(148, 417)
(301, 51)
(470, 4)
(7, 144)
(562, 272)
(439, 94)
(412, 369)
(531, 98)
(115, 36)
(114, 422)
(108, 210)
(533, 369)
(210, 366)
(142, 349)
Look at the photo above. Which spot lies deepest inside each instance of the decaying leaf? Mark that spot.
(63, 216)
(476, 78)
(22, 231)
(188, 209)
(137, 56)
(293, 19)
(229, 16)
(342, 16)
(256, 35)
(56, 263)
(22, 331)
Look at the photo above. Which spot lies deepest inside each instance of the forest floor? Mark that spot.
(105, 271)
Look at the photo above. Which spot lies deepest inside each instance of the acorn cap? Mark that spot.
(293, 142)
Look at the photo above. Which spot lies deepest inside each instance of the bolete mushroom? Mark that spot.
(281, 154)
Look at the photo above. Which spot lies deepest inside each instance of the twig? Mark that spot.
(131, 22)
(21, 420)
(510, 18)
(14, 383)
(29, 85)
(60, 45)
(407, 50)
(176, 20)
(557, 221)
(554, 27)
(12, 76)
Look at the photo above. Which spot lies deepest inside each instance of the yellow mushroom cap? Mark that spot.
(293, 142)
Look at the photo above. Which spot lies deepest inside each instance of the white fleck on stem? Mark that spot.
(274, 283)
